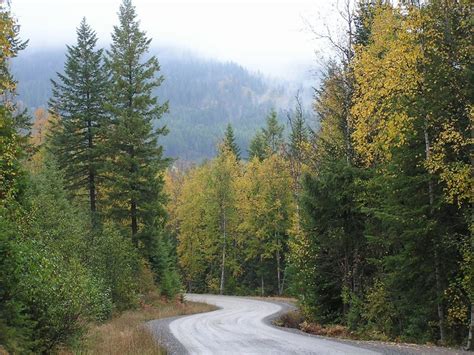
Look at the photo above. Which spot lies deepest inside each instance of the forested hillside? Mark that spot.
(204, 96)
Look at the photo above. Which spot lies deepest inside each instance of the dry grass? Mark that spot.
(289, 300)
(337, 330)
(295, 320)
(126, 334)
(292, 319)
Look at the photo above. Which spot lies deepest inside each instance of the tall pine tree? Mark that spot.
(229, 141)
(273, 133)
(135, 186)
(78, 99)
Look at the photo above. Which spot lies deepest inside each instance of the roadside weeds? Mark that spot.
(294, 320)
(126, 333)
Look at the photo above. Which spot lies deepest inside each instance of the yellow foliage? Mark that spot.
(387, 81)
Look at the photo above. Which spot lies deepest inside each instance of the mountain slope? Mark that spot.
(204, 96)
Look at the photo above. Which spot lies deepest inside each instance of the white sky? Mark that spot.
(265, 35)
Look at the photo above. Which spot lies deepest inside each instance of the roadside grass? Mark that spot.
(294, 319)
(126, 333)
(290, 300)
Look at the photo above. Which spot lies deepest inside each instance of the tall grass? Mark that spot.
(126, 333)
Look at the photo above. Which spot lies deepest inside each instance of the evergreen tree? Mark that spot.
(135, 184)
(269, 140)
(78, 98)
(229, 141)
(257, 147)
(11, 139)
(298, 145)
(273, 133)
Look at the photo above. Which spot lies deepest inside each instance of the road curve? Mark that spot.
(238, 327)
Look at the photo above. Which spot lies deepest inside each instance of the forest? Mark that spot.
(364, 215)
(368, 220)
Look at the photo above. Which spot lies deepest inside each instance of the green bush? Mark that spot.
(58, 293)
(378, 310)
(116, 262)
(15, 326)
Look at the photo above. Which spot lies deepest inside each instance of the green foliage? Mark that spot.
(62, 269)
(232, 223)
(257, 147)
(163, 262)
(15, 326)
(134, 185)
(204, 96)
(208, 224)
(11, 140)
(269, 140)
(60, 294)
(78, 99)
(229, 141)
(334, 222)
(273, 133)
(382, 239)
(116, 263)
(379, 311)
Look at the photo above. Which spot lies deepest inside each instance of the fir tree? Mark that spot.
(257, 147)
(268, 140)
(273, 133)
(11, 140)
(229, 141)
(78, 98)
(135, 186)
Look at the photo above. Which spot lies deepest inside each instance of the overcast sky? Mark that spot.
(265, 35)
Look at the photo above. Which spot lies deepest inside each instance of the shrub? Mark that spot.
(15, 326)
(58, 293)
(116, 262)
(378, 311)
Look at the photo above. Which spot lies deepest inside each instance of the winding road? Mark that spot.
(240, 327)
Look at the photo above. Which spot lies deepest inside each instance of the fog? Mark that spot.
(264, 35)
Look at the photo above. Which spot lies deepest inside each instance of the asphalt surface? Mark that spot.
(243, 326)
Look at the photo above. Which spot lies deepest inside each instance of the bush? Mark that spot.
(163, 264)
(15, 326)
(117, 264)
(378, 311)
(58, 293)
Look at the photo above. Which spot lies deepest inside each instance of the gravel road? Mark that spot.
(243, 326)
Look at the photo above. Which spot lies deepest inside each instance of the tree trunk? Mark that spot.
(221, 288)
(277, 255)
(92, 194)
(439, 286)
(278, 272)
(283, 283)
(470, 340)
(133, 217)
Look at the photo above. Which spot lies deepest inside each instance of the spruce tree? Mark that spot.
(78, 99)
(273, 133)
(135, 196)
(257, 147)
(11, 141)
(268, 140)
(229, 141)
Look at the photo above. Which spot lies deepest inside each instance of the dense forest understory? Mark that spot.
(366, 220)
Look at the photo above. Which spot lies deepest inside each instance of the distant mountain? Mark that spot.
(204, 96)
